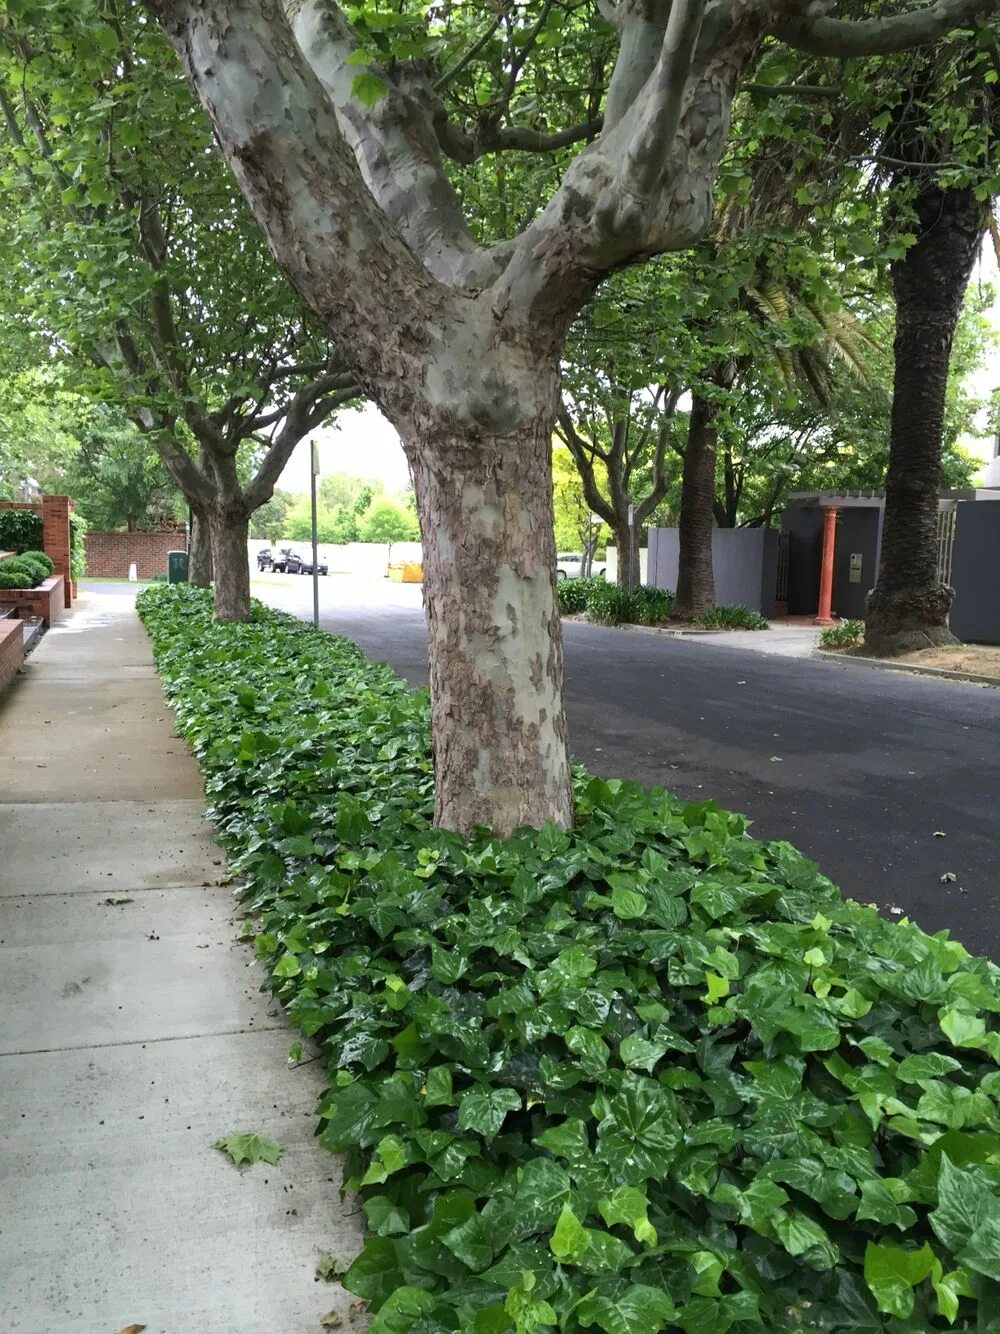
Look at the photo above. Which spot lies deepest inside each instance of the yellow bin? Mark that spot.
(411, 572)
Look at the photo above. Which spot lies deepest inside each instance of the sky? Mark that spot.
(364, 444)
(361, 443)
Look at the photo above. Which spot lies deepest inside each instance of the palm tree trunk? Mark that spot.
(908, 607)
(695, 578)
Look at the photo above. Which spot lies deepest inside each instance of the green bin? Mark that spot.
(177, 567)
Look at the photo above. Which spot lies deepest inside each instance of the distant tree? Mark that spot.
(388, 521)
(342, 490)
(116, 476)
(268, 520)
(574, 521)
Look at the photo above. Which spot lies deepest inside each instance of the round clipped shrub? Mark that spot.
(40, 558)
(31, 569)
(13, 578)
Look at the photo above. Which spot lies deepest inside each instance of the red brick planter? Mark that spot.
(46, 601)
(11, 650)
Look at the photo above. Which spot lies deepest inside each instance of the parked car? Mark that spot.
(264, 559)
(306, 566)
(569, 565)
(287, 561)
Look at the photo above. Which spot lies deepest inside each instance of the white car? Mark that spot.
(569, 565)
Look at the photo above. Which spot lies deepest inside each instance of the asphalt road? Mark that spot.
(857, 768)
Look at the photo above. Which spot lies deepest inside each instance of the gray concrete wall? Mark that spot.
(975, 613)
(858, 532)
(744, 562)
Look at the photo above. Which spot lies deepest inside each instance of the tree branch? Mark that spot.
(307, 410)
(654, 136)
(395, 142)
(847, 38)
(283, 139)
(461, 146)
(467, 59)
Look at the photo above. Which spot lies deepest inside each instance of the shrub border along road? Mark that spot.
(651, 1074)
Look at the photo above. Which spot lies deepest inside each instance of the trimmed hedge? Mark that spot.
(40, 558)
(12, 577)
(26, 567)
(650, 1074)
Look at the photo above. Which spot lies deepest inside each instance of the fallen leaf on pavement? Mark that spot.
(132, 1329)
(948, 877)
(331, 1320)
(250, 1148)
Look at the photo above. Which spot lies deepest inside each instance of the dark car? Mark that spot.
(264, 559)
(306, 566)
(287, 562)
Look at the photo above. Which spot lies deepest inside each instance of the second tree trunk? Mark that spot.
(229, 529)
(695, 577)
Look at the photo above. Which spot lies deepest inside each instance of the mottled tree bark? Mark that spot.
(199, 550)
(908, 607)
(229, 529)
(695, 577)
(495, 650)
(629, 561)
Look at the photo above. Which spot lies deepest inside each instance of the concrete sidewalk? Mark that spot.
(132, 1030)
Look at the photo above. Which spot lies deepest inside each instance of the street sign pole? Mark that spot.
(631, 543)
(313, 474)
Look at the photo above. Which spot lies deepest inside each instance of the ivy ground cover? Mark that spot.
(648, 1075)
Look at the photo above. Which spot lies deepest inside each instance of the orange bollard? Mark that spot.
(823, 616)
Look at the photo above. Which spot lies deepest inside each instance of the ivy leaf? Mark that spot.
(880, 1201)
(250, 1147)
(948, 1288)
(628, 904)
(328, 1268)
(629, 1206)
(484, 1110)
(638, 1310)
(983, 1250)
(800, 1236)
(569, 1140)
(892, 1273)
(473, 1243)
(965, 1204)
(639, 1129)
(569, 1239)
(963, 1029)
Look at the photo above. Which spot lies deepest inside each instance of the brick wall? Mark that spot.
(55, 539)
(11, 650)
(110, 554)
